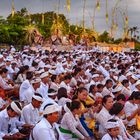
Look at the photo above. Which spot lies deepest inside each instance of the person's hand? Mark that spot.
(19, 135)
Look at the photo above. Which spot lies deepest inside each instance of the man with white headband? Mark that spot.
(112, 127)
(44, 129)
(30, 113)
(7, 131)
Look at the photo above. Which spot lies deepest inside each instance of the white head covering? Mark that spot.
(38, 98)
(95, 75)
(36, 81)
(52, 93)
(43, 75)
(51, 109)
(110, 125)
(134, 77)
(15, 108)
(117, 89)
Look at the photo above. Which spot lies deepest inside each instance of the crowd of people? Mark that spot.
(81, 94)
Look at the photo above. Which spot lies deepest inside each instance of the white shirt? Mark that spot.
(129, 109)
(69, 122)
(67, 87)
(107, 92)
(63, 101)
(102, 117)
(24, 86)
(43, 131)
(43, 90)
(54, 86)
(5, 121)
(30, 115)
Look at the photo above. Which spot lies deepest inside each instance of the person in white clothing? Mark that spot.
(65, 83)
(71, 127)
(112, 127)
(117, 111)
(103, 116)
(13, 110)
(30, 113)
(43, 89)
(44, 129)
(55, 84)
(132, 109)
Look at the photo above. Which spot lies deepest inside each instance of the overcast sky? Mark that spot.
(76, 13)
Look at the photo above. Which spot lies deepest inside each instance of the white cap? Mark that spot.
(129, 73)
(95, 75)
(43, 75)
(15, 108)
(134, 77)
(52, 72)
(38, 98)
(137, 83)
(110, 125)
(117, 89)
(52, 93)
(8, 59)
(37, 80)
(47, 66)
(51, 109)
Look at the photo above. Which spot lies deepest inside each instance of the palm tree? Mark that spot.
(32, 34)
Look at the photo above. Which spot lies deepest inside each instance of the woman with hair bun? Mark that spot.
(71, 127)
(132, 109)
(118, 111)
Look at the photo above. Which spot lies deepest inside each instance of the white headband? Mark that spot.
(38, 98)
(110, 125)
(15, 108)
(51, 109)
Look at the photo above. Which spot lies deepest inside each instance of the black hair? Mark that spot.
(29, 75)
(121, 97)
(3, 70)
(134, 95)
(53, 77)
(73, 105)
(108, 81)
(26, 67)
(100, 86)
(62, 92)
(91, 88)
(50, 90)
(125, 81)
(116, 108)
(68, 77)
(34, 63)
(105, 99)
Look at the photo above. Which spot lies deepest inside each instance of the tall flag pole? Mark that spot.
(84, 7)
(42, 18)
(13, 9)
(43, 12)
(106, 11)
(68, 5)
(98, 5)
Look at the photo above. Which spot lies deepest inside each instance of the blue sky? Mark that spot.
(76, 13)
